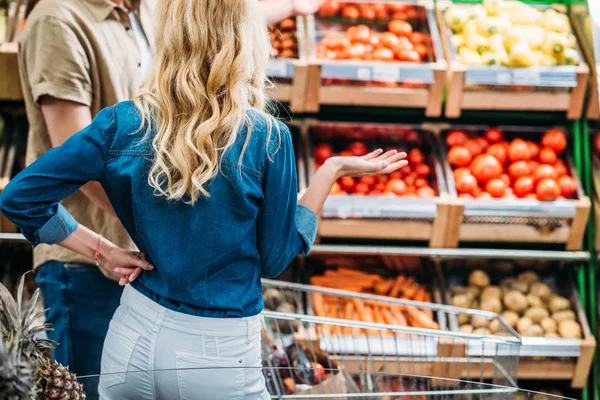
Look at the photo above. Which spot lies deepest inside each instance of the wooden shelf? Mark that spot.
(10, 84)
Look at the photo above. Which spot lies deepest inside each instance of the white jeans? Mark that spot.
(152, 352)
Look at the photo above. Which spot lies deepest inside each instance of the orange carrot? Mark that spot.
(318, 304)
(420, 319)
(388, 317)
(397, 286)
(360, 309)
(420, 294)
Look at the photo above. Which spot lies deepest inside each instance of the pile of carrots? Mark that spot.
(370, 310)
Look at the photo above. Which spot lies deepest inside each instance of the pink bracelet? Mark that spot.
(98, 248)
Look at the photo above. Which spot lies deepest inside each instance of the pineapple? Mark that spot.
(29, 363)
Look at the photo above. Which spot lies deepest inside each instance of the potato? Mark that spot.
(521, 286)
(493, 327)
(479, 278)
(549, 324)
(515, 301)
(480, 322)
(491, 304)
(286, 308)
(473, 292)
(482, 331)
(534, 301)
(559, 303)
(491, 292)
(511, 318)
(551, 335)
(272, 298)
(560, 316)
(463, 319)
(534, 330)
(461, 300)
(507, 283)
(528, 277)
(458, 290)
(524, 324)
(540, 290)
(466, 328)
(569, 329)
(537, 314)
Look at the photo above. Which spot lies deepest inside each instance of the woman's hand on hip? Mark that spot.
(128, 265)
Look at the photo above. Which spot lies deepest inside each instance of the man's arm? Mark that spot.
(277, 10)
(63, 119)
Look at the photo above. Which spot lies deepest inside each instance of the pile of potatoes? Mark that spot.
(284, 301)
(525, 303)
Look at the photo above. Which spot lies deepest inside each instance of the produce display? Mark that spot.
(512, 34)
(368, 11)
(525, 302)
(487, 165)
(415, 180)
(284, 39)
(402, 287)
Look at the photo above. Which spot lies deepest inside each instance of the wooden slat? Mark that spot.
(10, 84)
(578, 93)
(579, 223)
(375, 229)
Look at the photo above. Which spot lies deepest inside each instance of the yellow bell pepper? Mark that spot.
(533, 35)
(520, 55)
(470, 57)
(525, 16)
(493, 7)
(555, 43)
(456, 17)
(457, 41)
(477, 11)
(544, 60)
(488, 26)
(490, 58)
(497, 47)
(555, 21)
(569, 57)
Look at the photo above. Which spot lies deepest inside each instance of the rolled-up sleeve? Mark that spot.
(32, 199)
(285, 229)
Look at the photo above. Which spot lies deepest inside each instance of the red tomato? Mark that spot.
(499, 152)
(545, 171)
(383, 54)
(361, 188)
(466, 184)
(518, 151)
(335, 189)
(367, 12)
(421, 50)
(534, 149)
(357, 51)
(359, 149)
(459, 156)
(531, 196)
(335, 41)
(417, 38)
(496, 188)
(486, 167)
(483, 143)
(519, 169)
(494, 135)
(555, 139)
(597, 144)
(474, 147)
(420, 182)
(380, 187)
(347, 183)
(411, 179)
(400, 28)
(423, 170)
(425, 191)
(461, 172)
(351, 12)
(415, 157)
(456, 138)
(567, 185)
(397, 174)
(322, 153)
(402, 172)
(368, 180)
(389, 40)
(383, 178)
(330, 8)
(505, 178)
(533, 165)
(523, 186)
(561, 169)
(374, 39)
(396, 186)
(346, 153)
(361, 34)
(547, 190)
(484, 195)
(547, 156)
(408, 56)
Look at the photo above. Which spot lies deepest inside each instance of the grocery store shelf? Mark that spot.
(573, 256)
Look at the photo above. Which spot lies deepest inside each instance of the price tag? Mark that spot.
(277, 68)
(503, 78)
(382, 72)
(526, 77)
(363, 74)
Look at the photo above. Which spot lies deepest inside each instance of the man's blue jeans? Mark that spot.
(80, 303)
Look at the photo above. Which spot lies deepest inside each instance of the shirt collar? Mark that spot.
(101, 9)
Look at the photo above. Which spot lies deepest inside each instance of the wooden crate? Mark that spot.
(410, 85)
(511, 89)
(596, 196)
(290, 76)
(10, 84)
(518, 220)
(370, 217)
(545, 358)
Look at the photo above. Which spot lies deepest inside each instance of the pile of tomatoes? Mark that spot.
(368, 11)
(399, 43)
(597, 144)
(489, 166)
(410, 181)
(284, 42)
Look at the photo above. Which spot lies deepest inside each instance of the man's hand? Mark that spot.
(304, 7)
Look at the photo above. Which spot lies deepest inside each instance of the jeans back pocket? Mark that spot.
(116, 355)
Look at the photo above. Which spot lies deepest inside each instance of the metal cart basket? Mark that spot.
(313, 356)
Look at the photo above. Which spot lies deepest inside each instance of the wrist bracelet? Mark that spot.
(98, 248)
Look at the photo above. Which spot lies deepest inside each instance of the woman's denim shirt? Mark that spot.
(210, 256)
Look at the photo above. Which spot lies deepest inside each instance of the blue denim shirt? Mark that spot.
(209, 257)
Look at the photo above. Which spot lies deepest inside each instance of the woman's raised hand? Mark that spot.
(374, 163)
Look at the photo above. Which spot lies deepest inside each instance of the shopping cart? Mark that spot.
(309, 355)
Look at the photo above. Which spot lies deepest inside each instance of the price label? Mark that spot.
(363, 74)
(277, 68)
(382, 72)
(526, 76)
(503, 78)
